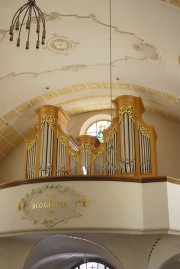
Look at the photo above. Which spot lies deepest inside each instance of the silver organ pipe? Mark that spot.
(48, 153)
(144, 150)
(126, 141)
(31, 159)
(122, 147)
(73, 162)
(35, 158)
(58, 159)
(46, 149)
(132, 145)
(43, 150)
(98, 163)
(61, 166)
(149, 156)
(127, 138)
(111, 165)
(85, 160)
(140, 152)
(128, 145)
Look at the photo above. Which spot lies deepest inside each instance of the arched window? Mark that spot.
(97, 127)
(93, 265)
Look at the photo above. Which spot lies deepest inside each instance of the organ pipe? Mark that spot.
(128, 149)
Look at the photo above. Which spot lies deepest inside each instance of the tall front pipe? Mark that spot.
(50, 118)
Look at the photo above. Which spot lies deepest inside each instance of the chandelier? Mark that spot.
(26, 11)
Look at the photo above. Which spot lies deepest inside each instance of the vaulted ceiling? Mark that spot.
(72, 69)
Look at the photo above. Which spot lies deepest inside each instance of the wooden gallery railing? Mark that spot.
(129, 147)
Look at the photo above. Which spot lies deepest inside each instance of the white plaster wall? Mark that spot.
(112, 206)
(168, 144)
(173, 206)
(13, 253)
(12, 167)
(155, 206)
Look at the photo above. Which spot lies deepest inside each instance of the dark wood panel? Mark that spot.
(87, 178)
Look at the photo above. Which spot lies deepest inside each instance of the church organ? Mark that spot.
(128, 148)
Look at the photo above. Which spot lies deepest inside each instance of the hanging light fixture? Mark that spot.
(26, 11)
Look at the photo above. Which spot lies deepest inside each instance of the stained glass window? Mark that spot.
(97, 127)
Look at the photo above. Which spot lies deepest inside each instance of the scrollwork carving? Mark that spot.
(86, 146)
(49, 119)
(62, 139)
(126, 109)
(97, 155)
(144, 130)
(74, 155)
(32, 142)
(110, 135)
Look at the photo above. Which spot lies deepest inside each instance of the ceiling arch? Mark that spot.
(16, 124)
(73, 68)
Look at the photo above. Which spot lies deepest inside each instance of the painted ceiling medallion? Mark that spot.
(148, 51)
(61, 44)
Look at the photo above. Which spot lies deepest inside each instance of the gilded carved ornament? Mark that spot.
(32, 142)
(74, 155)
(49, 119)
(97, 155)
(86, 146)
(144, 131)
(110, 134)
(126, 109)
(62, 139)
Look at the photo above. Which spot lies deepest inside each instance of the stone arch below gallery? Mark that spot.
(61, 251)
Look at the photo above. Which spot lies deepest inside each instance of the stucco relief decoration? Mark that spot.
(2, 34)
(52, 204)
(148, 51)
(61, 44)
